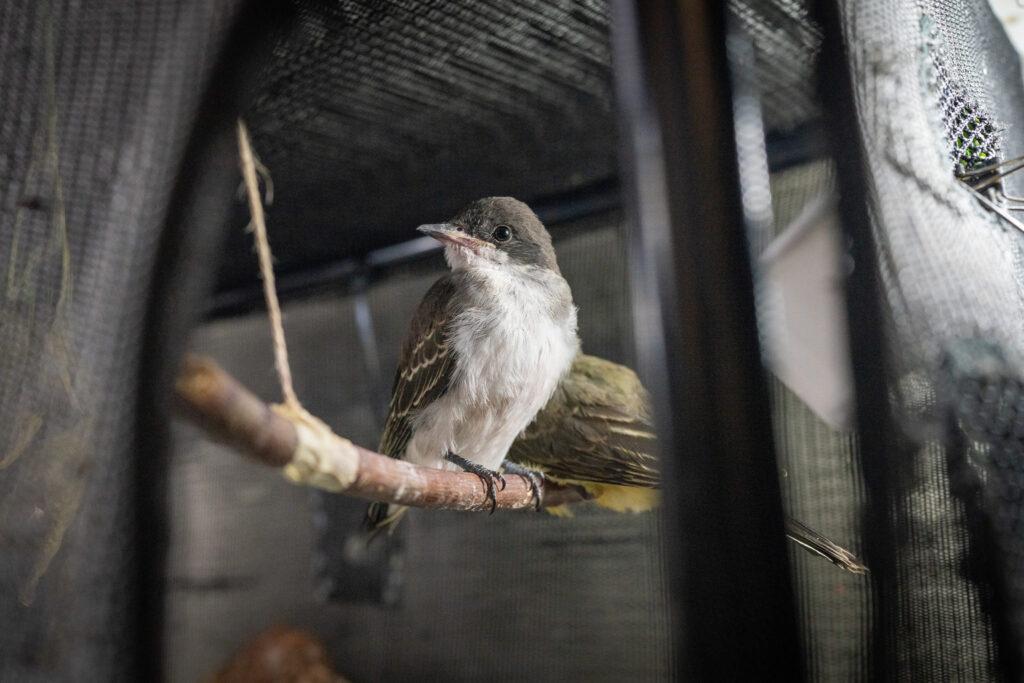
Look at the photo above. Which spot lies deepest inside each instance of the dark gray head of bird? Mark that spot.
(498, 230)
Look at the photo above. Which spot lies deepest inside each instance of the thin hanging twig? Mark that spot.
(259, 227)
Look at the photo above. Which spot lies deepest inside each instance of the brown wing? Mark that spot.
(596, 428)
(425, 367)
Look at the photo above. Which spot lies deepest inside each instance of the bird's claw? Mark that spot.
(488, 477)
(534, 479)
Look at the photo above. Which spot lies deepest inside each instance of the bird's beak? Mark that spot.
(449, 234)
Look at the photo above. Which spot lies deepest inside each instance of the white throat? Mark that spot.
(464, 258)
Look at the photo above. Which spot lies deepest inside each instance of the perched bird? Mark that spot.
(596, 432)
(486, 348)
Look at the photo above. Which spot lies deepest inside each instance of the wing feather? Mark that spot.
(425, 367)
(596, 428)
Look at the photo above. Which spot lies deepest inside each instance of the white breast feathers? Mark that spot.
(515, 340)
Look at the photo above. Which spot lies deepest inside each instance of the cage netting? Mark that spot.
(99, 101)
(938, 89)
(374, 117)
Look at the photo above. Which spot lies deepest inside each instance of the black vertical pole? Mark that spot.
(698, 345)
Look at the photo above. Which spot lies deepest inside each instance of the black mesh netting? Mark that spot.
(373, 117)
(951, 273)
(786, 44)
(374, 113)
(937, 85)
(99, 100)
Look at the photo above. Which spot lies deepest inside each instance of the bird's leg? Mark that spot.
(532, 477)
(488, 477)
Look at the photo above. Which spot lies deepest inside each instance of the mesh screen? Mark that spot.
(373, 113)
(98, 101)
(821, 486)
(950, 269)
(374, 116)
(786, 43)
(936, 86)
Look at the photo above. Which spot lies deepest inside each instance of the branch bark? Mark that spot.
(310, 453)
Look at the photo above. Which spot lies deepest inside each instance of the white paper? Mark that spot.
(803, 313)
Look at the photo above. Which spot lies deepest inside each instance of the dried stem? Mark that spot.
(259, 226)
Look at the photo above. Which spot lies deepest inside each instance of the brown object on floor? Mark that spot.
(280, 655)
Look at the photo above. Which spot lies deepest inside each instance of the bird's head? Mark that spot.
(495, 231)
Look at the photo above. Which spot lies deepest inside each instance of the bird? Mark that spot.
(596, 432)
(486, 348)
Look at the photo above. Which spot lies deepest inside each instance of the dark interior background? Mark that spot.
(377, 117)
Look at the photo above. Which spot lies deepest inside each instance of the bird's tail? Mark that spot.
(383, 517)
(820, 545)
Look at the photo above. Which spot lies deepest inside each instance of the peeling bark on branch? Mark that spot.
(310, 453)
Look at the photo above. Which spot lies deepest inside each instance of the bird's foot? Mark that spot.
(533, 478)
(488, 477)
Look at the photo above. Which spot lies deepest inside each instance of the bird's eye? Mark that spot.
(502, 233)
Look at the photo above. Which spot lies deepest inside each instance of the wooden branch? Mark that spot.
(310, 453)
